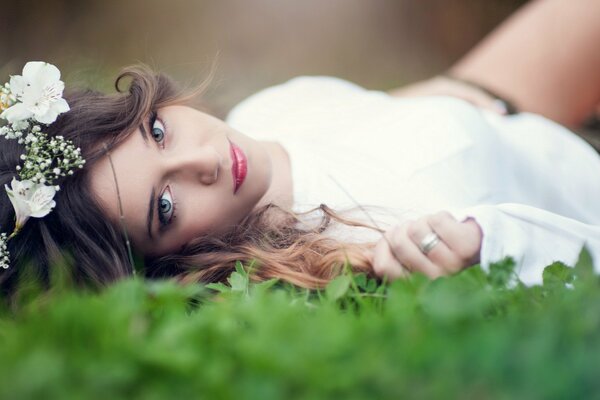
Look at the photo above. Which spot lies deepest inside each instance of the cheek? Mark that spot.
(209, 213)
(198, 214)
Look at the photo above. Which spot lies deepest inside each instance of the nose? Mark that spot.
(199, 163)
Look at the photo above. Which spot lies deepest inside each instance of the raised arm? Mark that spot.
(545, 58)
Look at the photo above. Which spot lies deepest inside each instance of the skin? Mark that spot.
(543, 58)
(191, 166)
(397, 253)
(567, 93)
(190, 163)
(196, 164)
(443, 86)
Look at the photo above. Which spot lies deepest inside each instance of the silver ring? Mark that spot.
(429, 242)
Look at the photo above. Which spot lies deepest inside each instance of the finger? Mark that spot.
(385, 264)
(440, 254)
(461, 238)
(409, 255)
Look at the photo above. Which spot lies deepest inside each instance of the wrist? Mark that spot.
(508, 106)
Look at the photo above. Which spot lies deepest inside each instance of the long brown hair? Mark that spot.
(277, 243)
(272, 238)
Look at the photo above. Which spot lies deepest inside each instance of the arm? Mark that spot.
(446, 86)
(545, 58)
(533, 237)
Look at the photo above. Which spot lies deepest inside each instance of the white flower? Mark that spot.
(39, 91)
(20, 125)
(4, 255)
(30, 199)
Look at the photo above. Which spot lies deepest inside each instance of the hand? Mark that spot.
(458, 248)
(444, 86)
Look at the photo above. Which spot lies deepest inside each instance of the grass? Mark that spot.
(472, 335)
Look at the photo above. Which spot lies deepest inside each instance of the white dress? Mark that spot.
(532, 185)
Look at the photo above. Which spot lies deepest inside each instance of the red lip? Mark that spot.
(239, 167)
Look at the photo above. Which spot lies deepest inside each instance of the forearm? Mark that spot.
(545, 58)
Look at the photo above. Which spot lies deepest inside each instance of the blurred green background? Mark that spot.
(379, 44)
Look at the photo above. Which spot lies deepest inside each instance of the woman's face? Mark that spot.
(176, 182)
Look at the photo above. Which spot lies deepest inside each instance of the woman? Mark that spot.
(194, 194)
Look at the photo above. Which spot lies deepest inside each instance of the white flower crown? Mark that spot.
(29, 100)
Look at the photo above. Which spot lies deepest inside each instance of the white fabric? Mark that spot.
(532, 185)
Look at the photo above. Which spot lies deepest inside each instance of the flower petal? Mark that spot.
(41, 202)
(54, 91)
(31, 69)
(40, 211)
(60, 106)
(15, 113)
(21, 205)
(25, 186)
(48, 117)
(32, 95)
(43, 194)
(17, 84)
(40, 73)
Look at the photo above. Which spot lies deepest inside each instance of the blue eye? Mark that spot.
(166, 207)
(157, 128)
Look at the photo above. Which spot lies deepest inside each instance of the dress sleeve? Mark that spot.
(533, 237)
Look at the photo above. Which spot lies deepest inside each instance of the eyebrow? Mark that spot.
(150, 217)
(150, 213)
(143, 132)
